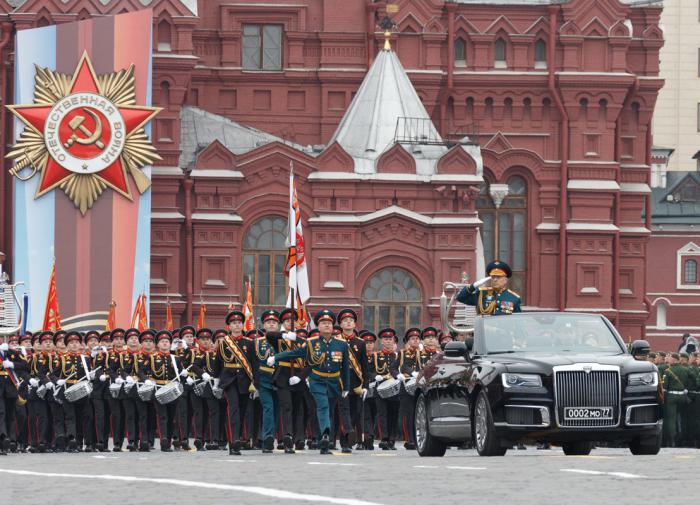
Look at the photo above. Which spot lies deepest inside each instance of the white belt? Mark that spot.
(675, 392)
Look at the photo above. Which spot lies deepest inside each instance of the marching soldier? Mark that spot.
(132, 369)
(164, 367)
(57, 415)
(11, 367)
(24, 347)
(287, 380)
(116, 408)
(264, 379)
(330, 372)
(38, 406)
(351, 407)
(368, 405)
(100, 392)
(184, 349)
(404, 368)
(495, 299)
(387, 409)
(206, 367)
(233, 366)
(430, 345)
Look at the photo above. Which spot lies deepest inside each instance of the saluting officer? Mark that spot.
(496, 299)
(330, 372)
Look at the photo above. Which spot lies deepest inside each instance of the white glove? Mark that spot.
(290, 336)
(420, 346)
(173, 347)
(294, 380)
(379, 378)
(414, 374)
(481, 282)
(149, 382)
(401, 377)
(364, 394)
(91, 375)
(103, 378)
(254, 395)
(95, 351)
(119, 380)
(49, 385)
(184, 373)
(129, 379)
(271, 361)
(184, 344)
(345, 394)
(206, 376)
(33, 382)
(61, 382)
(190, 381)
(4, 347)
(8, 364)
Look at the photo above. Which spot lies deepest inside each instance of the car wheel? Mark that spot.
(648, 446)
(426, 444)
(485, 439)
(577, 448)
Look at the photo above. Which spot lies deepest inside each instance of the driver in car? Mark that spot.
(496, 299)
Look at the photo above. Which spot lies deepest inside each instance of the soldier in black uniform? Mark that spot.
(73, 367)
(351, 407)
(184, 349)
(206, 363)
(24, 347)
(380, 369)
(369, 407)
(406, 367)
(430, 345)
(234, 368)
(164, 367)
(12, 366)
(38, 406)
(132, 369)
(100, 392)
(196, 402)
(116, 408)
(287, 379)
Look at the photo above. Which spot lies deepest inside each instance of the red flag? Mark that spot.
(137, 312)
(202, 313)
(169, 325)
(52, 316)
(143, 315)
(249, 323)
(111, 316)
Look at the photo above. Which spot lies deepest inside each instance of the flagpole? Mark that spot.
(292, 241)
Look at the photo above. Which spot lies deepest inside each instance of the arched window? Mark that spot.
(661, 316)
(164, 95)
(500, 54)
(504, 231)
(164, 37)
(540, 54)
(264, 258)
(460, 53)
(391, 298)
(690, 272)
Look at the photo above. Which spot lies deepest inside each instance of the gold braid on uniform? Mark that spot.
(383, 370)
(257, 350)
(489, 308)
(157, 373)
(311, 356)
(63, 366)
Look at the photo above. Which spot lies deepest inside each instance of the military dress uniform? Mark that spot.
(487, 300)
(100, 392)
(116, 407)
(369, 406)
(133, 369)
(265, 383)
(207, 368)
(330, 374)
(387, 409)
(11, 367)
(288, 386)
(39, 424)
(675, 382)
(233, 365)
(185, 409)
(404, 368)
(58, 421)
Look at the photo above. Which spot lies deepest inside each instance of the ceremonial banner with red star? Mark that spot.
(82, 164)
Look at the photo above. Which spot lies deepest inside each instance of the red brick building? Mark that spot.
(558, 95)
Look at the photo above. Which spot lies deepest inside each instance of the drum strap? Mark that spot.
(240, 357)
(85, 367)
(172, 360)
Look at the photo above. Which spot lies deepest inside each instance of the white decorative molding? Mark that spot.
(498, 193)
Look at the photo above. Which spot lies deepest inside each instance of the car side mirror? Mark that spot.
(456, 350)
(640, 348)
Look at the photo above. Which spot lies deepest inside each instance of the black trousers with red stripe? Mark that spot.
(387, 417)
(407, 419)
(236, 407)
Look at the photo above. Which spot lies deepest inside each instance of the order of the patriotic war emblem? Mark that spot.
(83, 134)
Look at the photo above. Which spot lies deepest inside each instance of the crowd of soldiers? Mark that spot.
(679, 376)
(272, 386)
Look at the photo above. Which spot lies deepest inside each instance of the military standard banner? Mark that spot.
(81, 162)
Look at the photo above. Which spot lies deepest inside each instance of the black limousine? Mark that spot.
(564, 378)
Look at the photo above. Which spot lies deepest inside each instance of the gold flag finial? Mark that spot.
(387, 40)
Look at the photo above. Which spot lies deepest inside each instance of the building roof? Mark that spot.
(631, 3)
(190, 4)
(199, 128)
(369, 126)
(665, 212)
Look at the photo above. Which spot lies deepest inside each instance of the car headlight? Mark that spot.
(521, 380)
(646, 379)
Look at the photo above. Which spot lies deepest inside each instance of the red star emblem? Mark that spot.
(84, 132)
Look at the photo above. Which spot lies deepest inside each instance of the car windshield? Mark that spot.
(548, 333)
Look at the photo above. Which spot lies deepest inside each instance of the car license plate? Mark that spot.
(587, 413)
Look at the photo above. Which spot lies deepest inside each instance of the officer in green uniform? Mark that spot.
(264, 378)
(327, 356)
(675, 380)
(693, 435)
(496, 299)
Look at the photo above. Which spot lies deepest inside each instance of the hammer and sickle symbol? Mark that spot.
(76, 124)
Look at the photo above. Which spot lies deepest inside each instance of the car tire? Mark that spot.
(426, 444)
(485, 439)
(647, 446)
(577, 448)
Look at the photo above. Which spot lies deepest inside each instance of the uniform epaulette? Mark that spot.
(341, 339)
(514, 293)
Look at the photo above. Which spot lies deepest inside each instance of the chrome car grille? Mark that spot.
(587, 385)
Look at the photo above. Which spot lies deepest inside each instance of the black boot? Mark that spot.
(268, 445)
(288, 444)
(299, 445)
(198, 444)
(72, 446)
(144, 447)
(325, 444)
(165, 445)
(235, 448)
